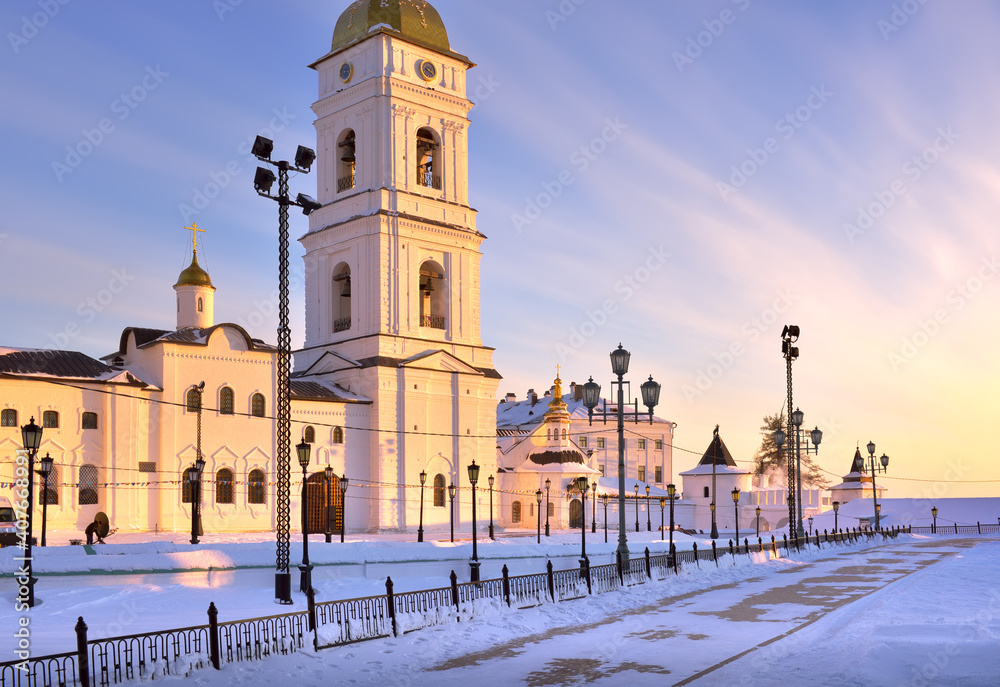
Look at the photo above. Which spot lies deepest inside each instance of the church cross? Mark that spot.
(194, 233)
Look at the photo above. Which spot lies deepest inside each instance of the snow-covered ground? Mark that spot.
(920, 610)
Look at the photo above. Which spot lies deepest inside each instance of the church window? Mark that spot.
(257, 405)
(8, 417)
(564, 434)
(50, 419)
(201, 305)
(583, 442)
(515, 512)
(428, 159)
(224, 486)
(188, 481)
(309, 435)
(347, 165)
(193, 400)
(439, 491)
(600, 442)
(341, 298)
(432, 295)
(548, 433)
(338, 435)
(255, 487)
(87, 485)
(50, 495)
(89, 421)
(658, 473)
(226, 401)
(705, 493)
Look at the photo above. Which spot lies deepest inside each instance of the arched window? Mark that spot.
(50, 419)
(433, 300)
(341, 298)
(226, 401)
(347, 165)
(439, 491)
(188, 480)
(89, 421)
(564, 434)
(548, 433)
(515, 512)
(706, 493)
(224, 486)
(201, 305)
(428, 159)
(87, 485)
(193, 400)
(309, 435)
(257, 405)
(338, 435)
(50, 495)
(8, 417)
(255, 487)
(531, 509)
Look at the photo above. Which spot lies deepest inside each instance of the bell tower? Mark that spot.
(392, 256)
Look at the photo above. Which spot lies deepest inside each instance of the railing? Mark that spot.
(427, 178)
(180, 651)
(345, 183)
(955, 528)
(341, 325)
(433, 322)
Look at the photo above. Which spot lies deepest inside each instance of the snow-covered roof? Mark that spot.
(511, 414)
(72, 365)
(323, 391)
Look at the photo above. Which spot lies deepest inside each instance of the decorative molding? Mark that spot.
(403, 111)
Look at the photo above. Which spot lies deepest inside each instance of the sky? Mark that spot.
(681, 178)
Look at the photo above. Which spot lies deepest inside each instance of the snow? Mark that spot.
(918, 610)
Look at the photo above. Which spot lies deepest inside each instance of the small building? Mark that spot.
(857, 483)
(713, 480)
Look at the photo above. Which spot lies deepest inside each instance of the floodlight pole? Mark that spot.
(789, 336)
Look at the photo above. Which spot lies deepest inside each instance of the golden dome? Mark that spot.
(194, 275)
(415, 20)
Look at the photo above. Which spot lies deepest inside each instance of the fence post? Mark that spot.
(956, 527)
(673, 555)
(506, 585)
(731, 550)
(311, 601)
(390, 599)
(213, 634)
(621, 573)
(979, 526)
(694, 547)
(649, 568)
(746, 545)
(552, 581)
(715, 554)
(82, 660)
(760, 545)
(454, 589)
(774, 546)
(785, 539)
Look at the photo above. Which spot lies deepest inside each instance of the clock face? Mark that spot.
(427, 70)
(346, 71)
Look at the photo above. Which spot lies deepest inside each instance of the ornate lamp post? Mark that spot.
(491, 479)
(44, 471)
(934, 512)
(873, 467)
(663, 504)
(305, 570)
(548, 485)
(420, 528)
(451, 510)
(711, 507)
(263, 181)
(736, 510)
(836, 510)
(195, 477)
(343, 507)
(649, 525)
(538, 500)
(328, 473)
(31, 435)
(604, 498)
(671, 493)
(810, 525)
(474, 563)
(650, 397)
(636, 488)
(581, 484)
(758, 523)
(593, 508)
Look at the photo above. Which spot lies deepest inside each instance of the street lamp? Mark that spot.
(31, 435)
(874, 467)
(593, 508)
(934, 512)
(305, 570)
(451, 509)
(195, 478)
(650, 397)
(328, 472)
(490, 479)
(810, 525)
(795, 447)
(671, 493)
(736, 510)
(604, 498)
(420, 528)
(636, 488)
(581, 484)
(649, 525)
(343, 507)
(758, 523)
(474, 563)
(263, 181)
(548, 485)
(836, 510)
(663, 504)
(538, 501)
(44, 471)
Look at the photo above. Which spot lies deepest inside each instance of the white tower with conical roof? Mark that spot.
(195, 293)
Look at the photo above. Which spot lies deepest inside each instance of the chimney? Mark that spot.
(577, 391)
(511, 398)
(532, 396)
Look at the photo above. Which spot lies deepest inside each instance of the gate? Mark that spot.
(323, 498)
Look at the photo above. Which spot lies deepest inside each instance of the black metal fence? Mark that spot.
(115, 660)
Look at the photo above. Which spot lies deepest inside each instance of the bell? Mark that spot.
(349, 157)
(429, 286)
(346, 291)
